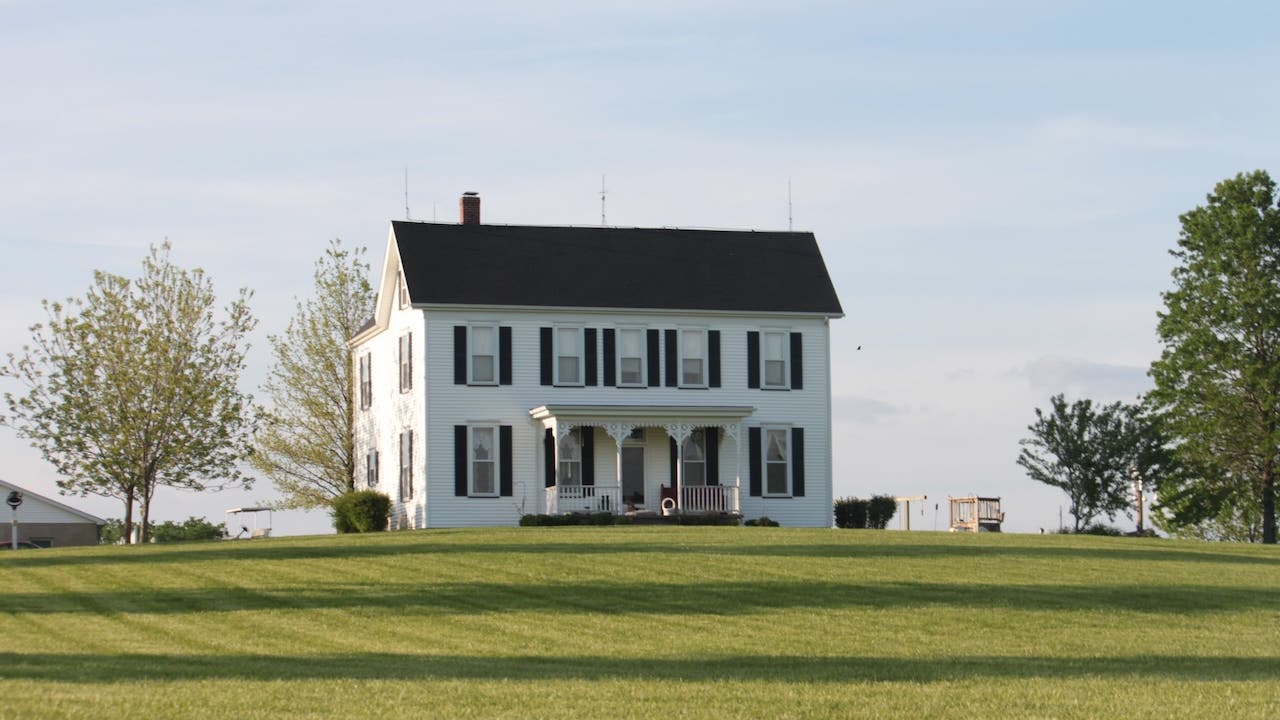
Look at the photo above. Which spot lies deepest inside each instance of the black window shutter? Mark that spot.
(504, 356)
(713, 358)
(460, 460)
(675, 459)
(589, 349)
(610, 357)
(549, 458)
(459, 354)
(753, 359)
(713, 455)
(673, 379)
(588, 456)
(797, 363)
(753, 462)
(504, 460)
(655, 365)
(797, 462)
(544, 352)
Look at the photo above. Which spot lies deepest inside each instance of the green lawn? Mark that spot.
(660, 622)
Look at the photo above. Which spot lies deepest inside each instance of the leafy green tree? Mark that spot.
(305, 443)
(112, 532)
(134, 386)
(1218, 377)
(1085, 451)
(1238, 519)
(189, 530)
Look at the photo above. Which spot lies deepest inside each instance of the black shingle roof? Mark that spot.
(642, 268)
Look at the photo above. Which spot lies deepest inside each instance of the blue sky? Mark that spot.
(995, 185)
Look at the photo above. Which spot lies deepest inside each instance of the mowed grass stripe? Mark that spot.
(576, 622)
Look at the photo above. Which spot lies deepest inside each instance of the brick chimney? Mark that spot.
(469, 204)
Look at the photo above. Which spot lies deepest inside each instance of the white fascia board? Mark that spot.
(624, 412)
(386, 291)
(622, 311)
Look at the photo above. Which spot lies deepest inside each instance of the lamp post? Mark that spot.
(14, 500)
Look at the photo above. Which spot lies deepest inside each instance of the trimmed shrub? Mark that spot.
(851, 513)
(762, 521)
(558, 520)
(711, 518)
(361, 511)
(880, 510)
(857, 513)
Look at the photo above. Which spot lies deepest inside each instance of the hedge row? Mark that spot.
(604, 518)
(857, 513)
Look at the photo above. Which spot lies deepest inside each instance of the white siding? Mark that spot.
(37, 510)
(392, 412)
(447, 404)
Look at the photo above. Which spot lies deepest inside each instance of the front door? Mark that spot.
(633, 475)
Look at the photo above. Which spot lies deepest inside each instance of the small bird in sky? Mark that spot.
(859, 347)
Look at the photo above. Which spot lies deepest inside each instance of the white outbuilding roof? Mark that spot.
(37, 508)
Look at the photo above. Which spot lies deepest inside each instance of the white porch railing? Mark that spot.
(709, 498)
(583, 498)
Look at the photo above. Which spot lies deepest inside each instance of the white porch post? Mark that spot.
(618, 432)
(561, 430)
(734, 430)
(679, 432)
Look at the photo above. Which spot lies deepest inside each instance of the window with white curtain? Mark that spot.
(484, 460)
(777, 451)
(570, 452)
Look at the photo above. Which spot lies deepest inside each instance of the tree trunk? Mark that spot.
(1269, 504)
(128, 518)
(148, 489)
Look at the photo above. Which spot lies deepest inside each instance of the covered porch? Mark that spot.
(659, 459)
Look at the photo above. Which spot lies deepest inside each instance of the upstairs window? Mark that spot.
(403, 291)
(774, 357)
(484, 460)
(631, 360)
(366, 382)
(568, 354)
(484, 355)
(693, 358)
(406, 362)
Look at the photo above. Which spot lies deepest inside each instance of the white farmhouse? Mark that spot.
(515, 369)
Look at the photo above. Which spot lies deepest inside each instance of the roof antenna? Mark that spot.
(789, 205)
(603, 192)
(406, 192)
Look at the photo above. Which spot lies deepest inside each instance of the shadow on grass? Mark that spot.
(110, 668)
(363, 548)
(687, 598)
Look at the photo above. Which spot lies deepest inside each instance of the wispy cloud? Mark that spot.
(859, 409)
(1082, 378)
